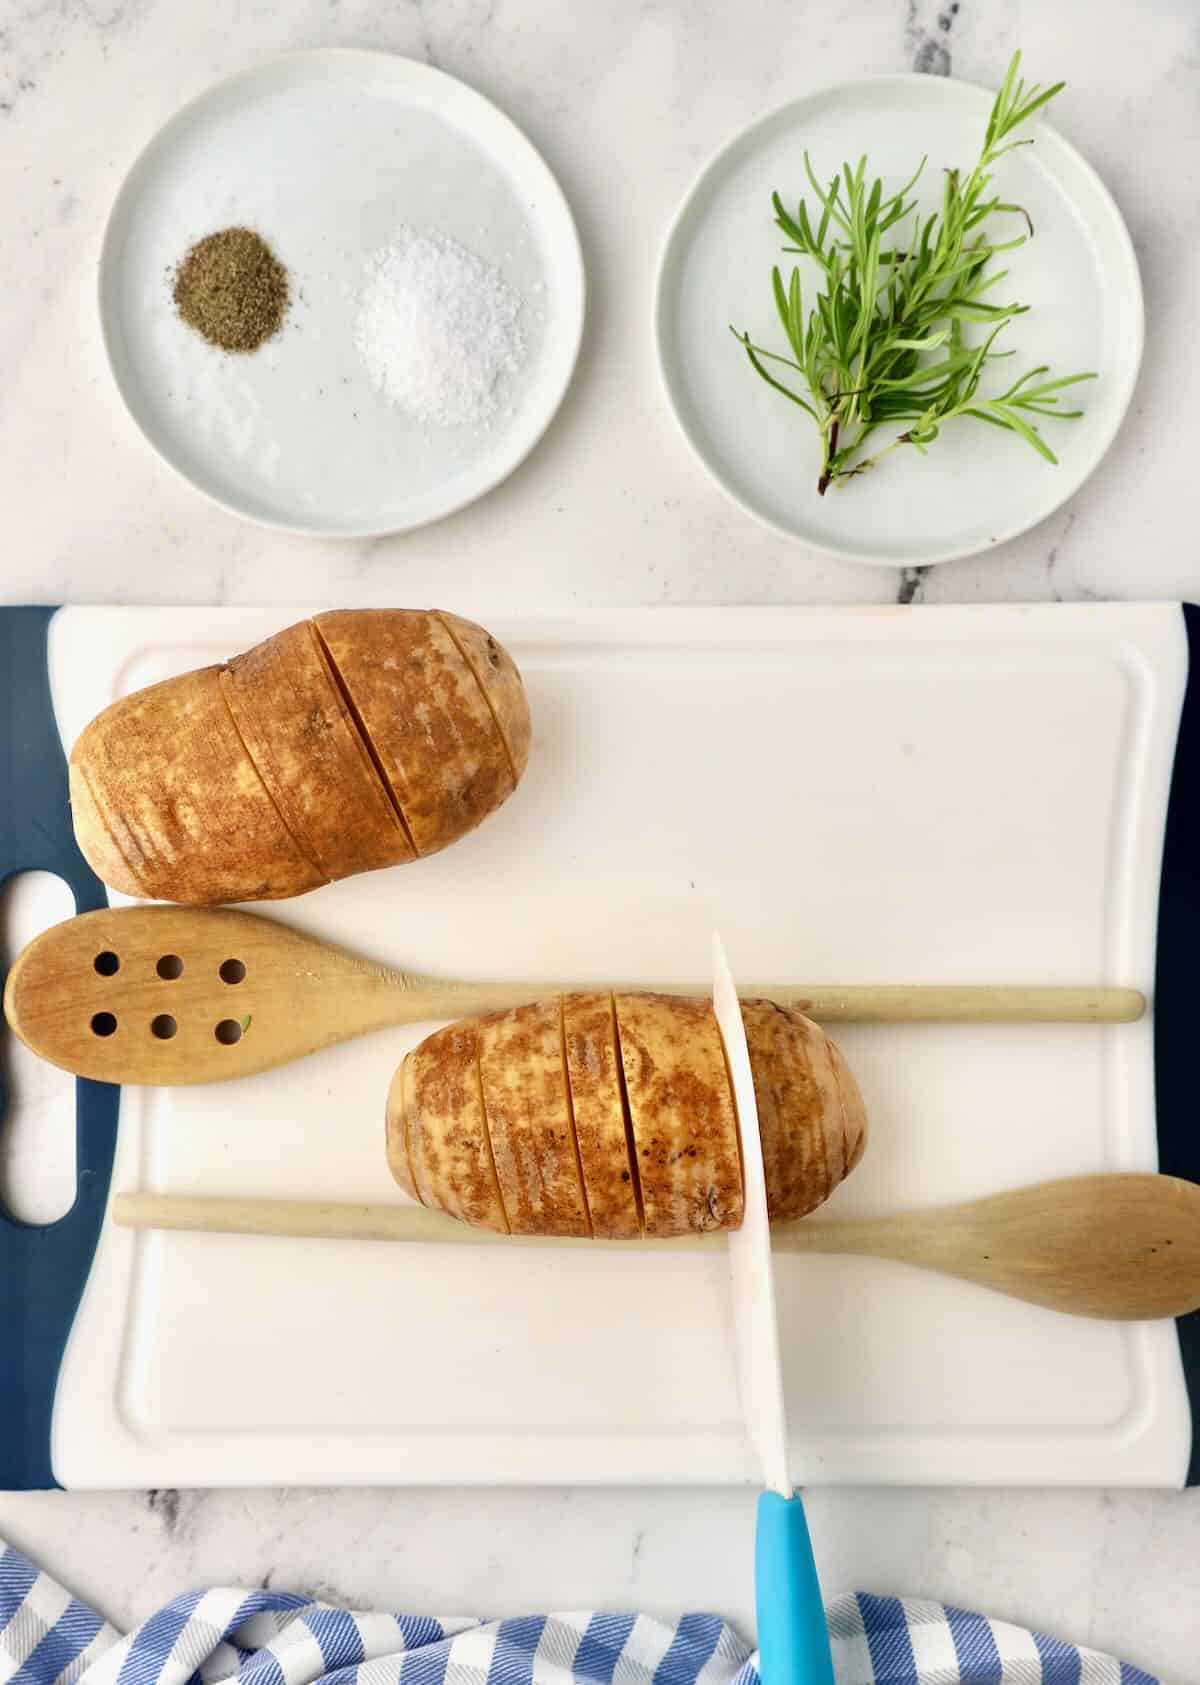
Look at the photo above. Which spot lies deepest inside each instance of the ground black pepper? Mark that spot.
(232, 289)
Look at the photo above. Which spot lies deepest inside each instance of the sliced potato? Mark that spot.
(300, 735)
(445, 1146)
(180, 800)
(615, 1116)
(810, 1112)
(525, 1102)
(428, 722)
(685, 1130)
(500, 682)
(594, 1073)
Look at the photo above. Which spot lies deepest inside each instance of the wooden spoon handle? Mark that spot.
(865, 1003)
(1118, 1246)
(313, 1219)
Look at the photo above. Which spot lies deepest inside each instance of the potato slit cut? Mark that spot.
(846, 1165)
(525, 1094)
(364, 737)
(593, 1078)
(499, 679)
(737, 1116)
(359, 736)
(562, 1028)
(487, 1135)
(491, 707)
(630, 1142)
(831, 1180)
(684, 1123)
(301, 850)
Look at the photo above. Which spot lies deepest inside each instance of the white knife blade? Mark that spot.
(756, 1328)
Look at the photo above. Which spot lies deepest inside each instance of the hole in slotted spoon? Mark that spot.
(229, 1032)
(107, 963)
(232, 971)
(164, 1026)
(169, 967)
(103, 1024)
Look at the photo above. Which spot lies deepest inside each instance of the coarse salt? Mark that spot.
(437, 328)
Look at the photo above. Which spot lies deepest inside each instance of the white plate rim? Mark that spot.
(1135, 327)
(576, 302)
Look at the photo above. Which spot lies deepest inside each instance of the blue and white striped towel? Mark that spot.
(264, 1637)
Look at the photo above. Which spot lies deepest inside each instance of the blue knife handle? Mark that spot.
(793, 1639)
(43, 1267)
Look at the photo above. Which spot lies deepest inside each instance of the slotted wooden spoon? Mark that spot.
(1122, 1246)
(170, 995)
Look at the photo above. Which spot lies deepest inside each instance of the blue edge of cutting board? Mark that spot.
(43, 1269)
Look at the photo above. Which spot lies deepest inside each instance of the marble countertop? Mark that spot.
(626, 99)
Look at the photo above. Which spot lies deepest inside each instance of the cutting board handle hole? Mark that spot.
(107, 963)
(37, 1100)
(169, 967)
(229, 1032)
(232, 971)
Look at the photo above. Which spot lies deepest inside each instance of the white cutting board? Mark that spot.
(958, 795)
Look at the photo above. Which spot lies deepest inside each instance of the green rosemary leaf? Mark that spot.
(756, 364)
(788, 224)
(1005, 417)
(771, 356)
(783, 307)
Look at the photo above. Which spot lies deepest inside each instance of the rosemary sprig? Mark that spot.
(886, 340)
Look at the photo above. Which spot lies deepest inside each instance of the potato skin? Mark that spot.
(355, 741)
(437, 1139)
(429, 724)
(528, 1113)
(181, 801)
(685, 1128)
(396, 1131)
(672, 1107)
(95, 840)
(594, 1076)
(810, 1112)
(302, 739)
(498, 678)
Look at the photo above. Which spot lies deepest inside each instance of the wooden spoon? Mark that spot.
(1118, 1246)
(169, 995)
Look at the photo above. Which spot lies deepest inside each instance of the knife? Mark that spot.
(793, 1639)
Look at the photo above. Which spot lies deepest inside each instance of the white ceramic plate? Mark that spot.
(326, 154)
(978, 486)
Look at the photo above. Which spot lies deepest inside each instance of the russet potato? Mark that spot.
(613, 1116)
(360, 739)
